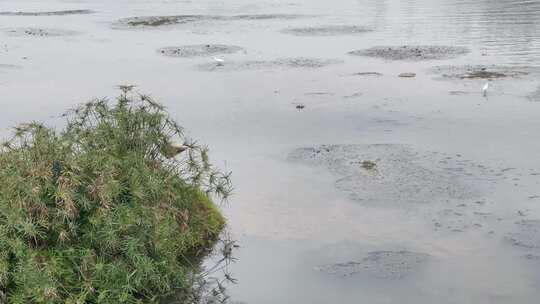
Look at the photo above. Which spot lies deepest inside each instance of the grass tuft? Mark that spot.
(114, 208)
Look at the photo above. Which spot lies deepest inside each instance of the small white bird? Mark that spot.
(219, 61)
(485, 89)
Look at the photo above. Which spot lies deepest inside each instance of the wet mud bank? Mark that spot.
(199, 50)
(526, 235)
(393, 175)
(39, 32)
(480, 72)
(49, 13)
(534, 96)
(412, 53)
(372, 74)
(380, 264)
(327, 30)
(157, 21)
(4, 67)
(449, 192)
(294, 62)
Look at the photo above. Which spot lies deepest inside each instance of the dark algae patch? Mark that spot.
(102, 211)
(156, 21)
(199, 50)
(153, 21)
(50, 13)
(413, 53)
(480, 72)
(328, 30)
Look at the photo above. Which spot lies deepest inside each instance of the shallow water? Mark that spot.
(457, 174)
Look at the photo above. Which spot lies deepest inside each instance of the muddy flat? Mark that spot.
(535, 96)
(294, 63)
(472, 72)
(328, 30)
(411, 52)
(9, 67)
(48, 13)
(394, 176)
(380, 264)
(157, 21)
(199, 50)
(39, 32)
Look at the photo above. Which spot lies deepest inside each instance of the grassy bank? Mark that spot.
(114, 208)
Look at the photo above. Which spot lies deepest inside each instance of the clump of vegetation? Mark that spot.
(114, 208)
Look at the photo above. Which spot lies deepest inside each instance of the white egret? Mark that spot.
(485, 89)
(219, 61)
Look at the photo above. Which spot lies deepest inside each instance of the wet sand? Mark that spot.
(423, 191)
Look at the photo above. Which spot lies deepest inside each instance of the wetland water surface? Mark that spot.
(378, 188)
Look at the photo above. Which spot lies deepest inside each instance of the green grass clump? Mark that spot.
(115, 208)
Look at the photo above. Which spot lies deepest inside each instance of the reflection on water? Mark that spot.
(292, 218)
(509, 29)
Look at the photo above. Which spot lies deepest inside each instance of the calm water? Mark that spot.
(292, 218)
